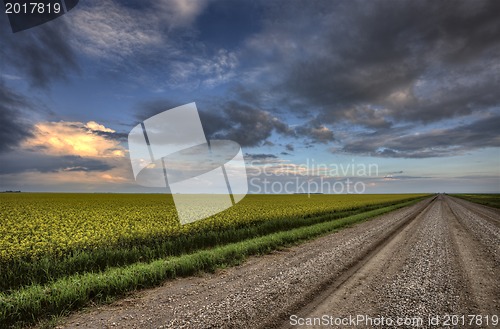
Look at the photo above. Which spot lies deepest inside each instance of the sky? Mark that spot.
(328, 96)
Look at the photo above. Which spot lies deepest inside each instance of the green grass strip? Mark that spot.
(33, 303)
(491, 200)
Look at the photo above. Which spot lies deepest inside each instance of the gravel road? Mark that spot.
(440, 256)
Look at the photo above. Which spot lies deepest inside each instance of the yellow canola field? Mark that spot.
(36, 224)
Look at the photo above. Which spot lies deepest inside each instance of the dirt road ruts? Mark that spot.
(438, 256)
(443, 262)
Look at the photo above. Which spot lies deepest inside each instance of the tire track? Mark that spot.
(334, 293)
(484, 229)
(492, 215)
(434, 266)
(479, 269)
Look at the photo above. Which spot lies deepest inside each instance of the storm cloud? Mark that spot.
(38, 56)
(366, 69)
(361, 69)
(433, 143)
(42, 54)
(13, 128)
(419, 61)
(246, 124)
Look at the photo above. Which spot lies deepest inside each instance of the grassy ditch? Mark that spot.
(491, 200)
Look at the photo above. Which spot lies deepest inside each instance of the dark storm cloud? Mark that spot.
(372, 65)
(214, 123)
(117, 136)
(367, 116)
(41, 54)
(380, 64)
(13, 129)
(435, 143)
(316, 132)
(250, 126)
(212, 120)
(246, 124)
(259, 156)
(22, 161)
(376, 54)
(401, 177)
(289, 147)
(246, 95)
(256, 159)
(395, 172)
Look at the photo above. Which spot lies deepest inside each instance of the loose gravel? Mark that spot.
(396, 264)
